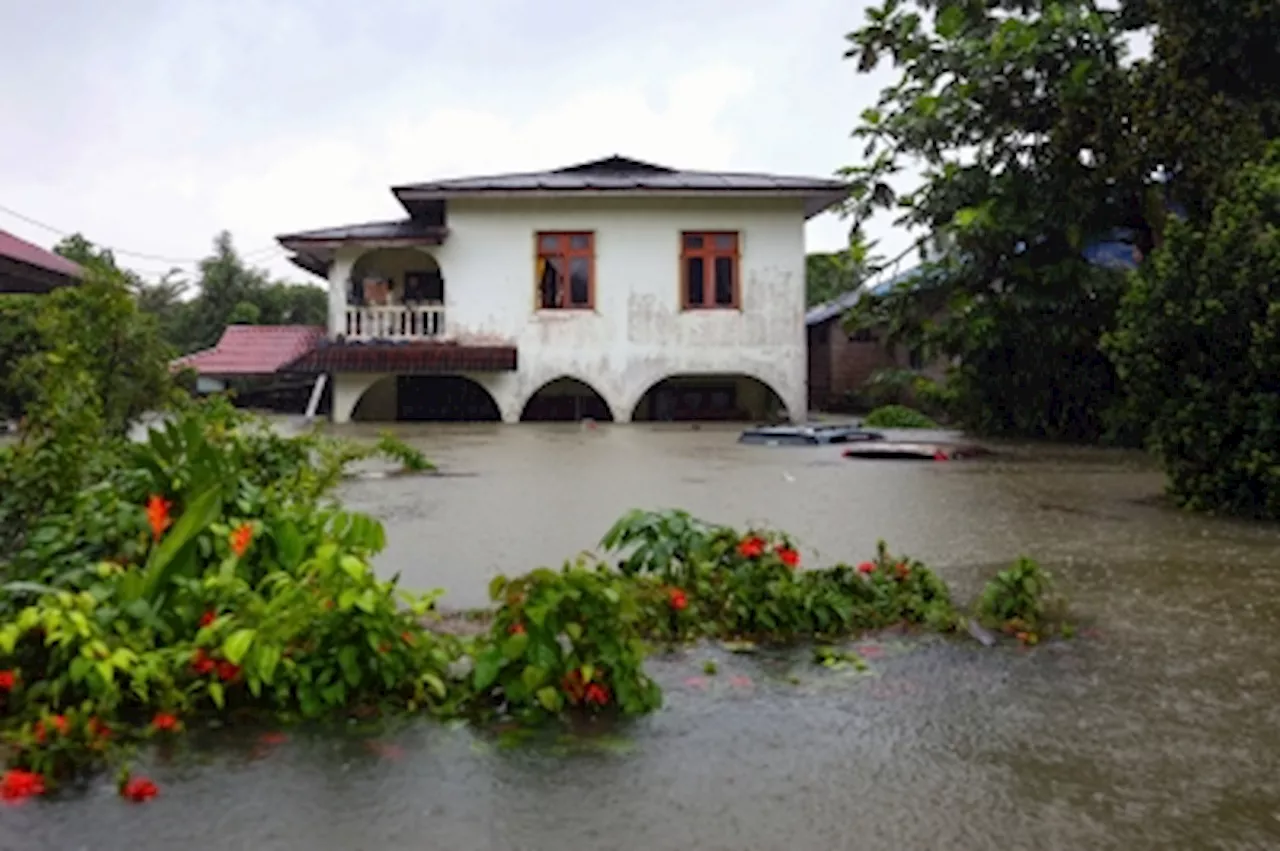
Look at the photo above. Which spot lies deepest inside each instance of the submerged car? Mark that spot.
(808, 434)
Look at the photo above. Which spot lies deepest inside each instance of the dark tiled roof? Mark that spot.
(428, 358)
(407, 229)
(621, 174)
(33, 255)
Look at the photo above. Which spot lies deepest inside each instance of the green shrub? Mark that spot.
(897, 416)
(1198, 348)
(1021, 601)
(565, 640)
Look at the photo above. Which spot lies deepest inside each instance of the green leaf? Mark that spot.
(513, 648)
(574, 631)
(496, 586)
(487, 667)
(165, 558)
(354, 567)
(237, 645)
(350, 664)
(550, 699)
(435, 684)
(950, 21)
(289, 544)
(533, 676)
(216, 695)
(268, 657)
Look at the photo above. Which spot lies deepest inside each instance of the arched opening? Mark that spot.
(395, 278)
(726, 397)
(566, 400)
(444, 398)
(426, 398)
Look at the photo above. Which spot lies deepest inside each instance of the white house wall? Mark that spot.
(637, 334)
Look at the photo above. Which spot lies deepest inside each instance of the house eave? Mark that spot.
(815, 201)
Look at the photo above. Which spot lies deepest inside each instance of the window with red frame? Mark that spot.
(709, 270)
(566, 271)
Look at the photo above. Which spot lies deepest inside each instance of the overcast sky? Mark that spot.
(149, 125)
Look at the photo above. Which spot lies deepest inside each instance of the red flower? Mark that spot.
(228, 671)
(406, 637)
(59, 722)
(7, 680)
(789, 557)
(139, 789)
(384, 647)
(516, 628)
(97, 729)
(573, 686)
(679, 600)
(18, 784)
(273, 738)
(241, 538)
(201, 663)
(751, 547)
(903, 570)
(597, 694)
(866, 567)
(158, 514)
(208, 618)
(164, 722)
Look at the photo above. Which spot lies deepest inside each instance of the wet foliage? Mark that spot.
(206, 574)
(897, 416)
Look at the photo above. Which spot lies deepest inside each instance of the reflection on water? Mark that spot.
(1163, 731)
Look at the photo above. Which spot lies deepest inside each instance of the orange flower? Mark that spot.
(158, 514)
(751, 547)
(241, 538)
(516, 628)
(903, 570)
(406, 637)
(789, 557)
(139, 789)
(59, 723)
(164, 722)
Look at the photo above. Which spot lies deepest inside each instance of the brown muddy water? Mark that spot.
(1161, 730)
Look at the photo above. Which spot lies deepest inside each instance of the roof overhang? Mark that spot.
(815, 200)
(19, 277)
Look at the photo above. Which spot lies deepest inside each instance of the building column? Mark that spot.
(348, 389)
(339, 275)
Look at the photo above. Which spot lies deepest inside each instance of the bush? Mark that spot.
(897, 416)
(1020, 601)
(1198, 348)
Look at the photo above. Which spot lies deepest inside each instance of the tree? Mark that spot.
(827, 276)
(94, 329)
(1198, 347)
(1013, 111)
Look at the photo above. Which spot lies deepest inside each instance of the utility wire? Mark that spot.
(176, 261)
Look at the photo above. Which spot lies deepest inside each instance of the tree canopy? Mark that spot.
(1037, 134)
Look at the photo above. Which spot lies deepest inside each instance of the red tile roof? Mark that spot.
(33, 255)
(421, 358)
(254, 349)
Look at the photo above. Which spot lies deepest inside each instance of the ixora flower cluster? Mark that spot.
(220, 582)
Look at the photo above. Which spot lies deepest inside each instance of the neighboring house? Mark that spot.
(615, 289)
(27, 268)
(249, 353)
(840, 361)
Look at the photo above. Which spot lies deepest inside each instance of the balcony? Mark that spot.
(423, 322)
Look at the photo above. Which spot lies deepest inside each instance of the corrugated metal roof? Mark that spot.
(253, 349)
(836, 307)
(622, 174)
(33, 255)
(398, 229)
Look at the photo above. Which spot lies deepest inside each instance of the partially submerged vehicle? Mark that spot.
(910, 450)
(808, 434)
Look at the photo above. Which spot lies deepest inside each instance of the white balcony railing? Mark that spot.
(395, 323)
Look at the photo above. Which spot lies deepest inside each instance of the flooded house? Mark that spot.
(612, 290)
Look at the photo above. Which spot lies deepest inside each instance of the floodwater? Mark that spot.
(1159, 730)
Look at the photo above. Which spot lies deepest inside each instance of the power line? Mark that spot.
(175, 261)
